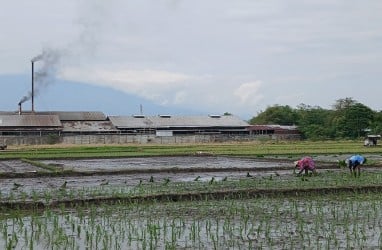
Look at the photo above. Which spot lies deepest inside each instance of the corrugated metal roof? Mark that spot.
(77, 116)
(177, 121)
(131, 122)
(88, 126)
(8, 113)
(29, 121)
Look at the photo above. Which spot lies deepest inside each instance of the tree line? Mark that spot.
(348, 119)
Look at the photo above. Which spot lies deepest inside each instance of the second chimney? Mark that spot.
(20, 110)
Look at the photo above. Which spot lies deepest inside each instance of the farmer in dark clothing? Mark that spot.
(354, 162)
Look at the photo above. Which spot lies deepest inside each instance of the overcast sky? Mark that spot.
(211, 56)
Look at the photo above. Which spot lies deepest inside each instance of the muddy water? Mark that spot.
(175, 169)
(16, 166)
(163, 163)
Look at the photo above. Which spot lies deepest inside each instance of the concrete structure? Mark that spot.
(371, 140)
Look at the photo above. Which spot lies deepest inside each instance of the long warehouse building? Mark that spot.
(17, 127)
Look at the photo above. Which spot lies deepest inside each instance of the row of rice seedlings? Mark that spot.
(329, 179)
(250, 149)
(257, 223)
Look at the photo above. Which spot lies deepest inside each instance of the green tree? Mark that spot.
(347, 119)
(280, 115)
(351, 121)
(376, 124)
(344, 103)
(314, 122)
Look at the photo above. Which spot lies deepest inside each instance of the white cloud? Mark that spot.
(173, 88)
(204, 54)
(249, 93)
(153, 85)
(180, 97)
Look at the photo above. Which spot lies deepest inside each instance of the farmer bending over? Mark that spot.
(354, 162)
(305, 164)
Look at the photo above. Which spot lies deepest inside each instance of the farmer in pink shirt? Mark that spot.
(305, 164)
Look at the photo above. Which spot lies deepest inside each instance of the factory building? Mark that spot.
(167, 125)
(83, 122)
(32, 127)
(36, 124)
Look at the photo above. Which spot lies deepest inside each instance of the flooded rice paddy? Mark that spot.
(132, 171)
(166, 163)
(346, 221)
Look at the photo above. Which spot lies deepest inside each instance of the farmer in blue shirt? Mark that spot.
(354, 162)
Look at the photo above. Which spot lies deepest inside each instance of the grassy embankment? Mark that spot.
(253, 149)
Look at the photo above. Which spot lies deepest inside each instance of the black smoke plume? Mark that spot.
(45, 65)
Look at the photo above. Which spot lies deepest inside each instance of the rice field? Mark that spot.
(251, 149)
(316, 222)
(201, 197)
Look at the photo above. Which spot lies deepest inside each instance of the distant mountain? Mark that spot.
(75, 96)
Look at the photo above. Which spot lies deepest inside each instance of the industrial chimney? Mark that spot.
(32, 87)
(20, 110)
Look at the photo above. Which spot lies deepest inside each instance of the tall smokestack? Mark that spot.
(32, 86)
(20, 110)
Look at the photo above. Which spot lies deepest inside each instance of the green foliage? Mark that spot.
(253, 149)
(342, 163)
(344, 103)
(313, 121)
(348, 119)
(353, 120)
(376, 123)
(281, 115)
